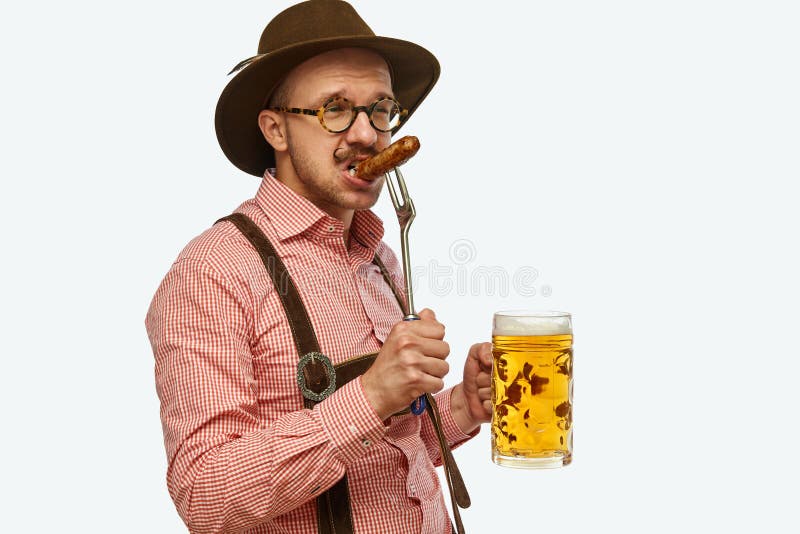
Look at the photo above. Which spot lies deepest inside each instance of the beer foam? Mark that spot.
(538, 324)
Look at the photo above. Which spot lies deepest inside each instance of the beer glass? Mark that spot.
(532, 389)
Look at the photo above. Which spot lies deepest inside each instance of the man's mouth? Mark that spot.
(351, 159)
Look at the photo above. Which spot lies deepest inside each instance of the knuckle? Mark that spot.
(440, 331)
(406, 359)
(404, 341)
(400, 328)
(416, 380)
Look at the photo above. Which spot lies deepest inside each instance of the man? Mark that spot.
(260, 324)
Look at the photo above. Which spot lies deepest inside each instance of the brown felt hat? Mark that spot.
(293, 36)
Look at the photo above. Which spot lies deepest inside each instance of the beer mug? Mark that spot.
(532, 389)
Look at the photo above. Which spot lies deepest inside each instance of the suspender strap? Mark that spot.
(333, 506)
(303, 333)
(459, 497)
(316, 374)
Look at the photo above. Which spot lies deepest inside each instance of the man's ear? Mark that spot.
(273, 128)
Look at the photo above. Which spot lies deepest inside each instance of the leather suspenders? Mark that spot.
(318, 378)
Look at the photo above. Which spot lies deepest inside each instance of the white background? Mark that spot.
(641, 156)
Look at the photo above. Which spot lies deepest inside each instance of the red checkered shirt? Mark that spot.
(243, 454)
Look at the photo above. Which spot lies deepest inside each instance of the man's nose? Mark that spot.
(361, 131)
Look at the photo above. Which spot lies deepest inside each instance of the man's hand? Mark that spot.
(470, 401)
(410, 363)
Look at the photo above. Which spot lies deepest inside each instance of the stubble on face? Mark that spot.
(313, 169)
(321, 186)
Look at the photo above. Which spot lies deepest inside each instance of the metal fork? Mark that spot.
(404, 208)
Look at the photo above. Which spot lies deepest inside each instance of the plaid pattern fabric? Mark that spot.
(243, 454)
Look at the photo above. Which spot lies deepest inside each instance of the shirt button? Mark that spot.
(366, 443)
(353, 429)
(330, 228)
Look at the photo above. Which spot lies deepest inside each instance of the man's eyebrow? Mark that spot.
(322, 99)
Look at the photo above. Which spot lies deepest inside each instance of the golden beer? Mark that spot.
(532, 389)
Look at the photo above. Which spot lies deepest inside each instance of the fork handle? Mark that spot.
(419, 405)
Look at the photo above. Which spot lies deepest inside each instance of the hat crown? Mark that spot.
(314, 19)
(293, 36)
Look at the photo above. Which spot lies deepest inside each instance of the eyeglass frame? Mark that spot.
(319, 112)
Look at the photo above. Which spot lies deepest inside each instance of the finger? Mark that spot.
(485, 356)
(474, 351)
(427, 314)
(433, 348)
(481, 352)
(487, 406)
(434, 367)
(483, 380)
(408, 338)
(428, 329)
(485, 393)
(432, 384)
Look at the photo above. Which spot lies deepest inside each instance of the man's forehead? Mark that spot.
(345, 61)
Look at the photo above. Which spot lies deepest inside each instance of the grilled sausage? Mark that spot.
(393, 156)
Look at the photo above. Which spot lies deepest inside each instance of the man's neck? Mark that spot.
(343, 214)
(348, 222)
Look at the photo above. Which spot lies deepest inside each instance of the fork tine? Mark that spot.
(408, 204)
(404, 209)
(402, 183)
(392, 191)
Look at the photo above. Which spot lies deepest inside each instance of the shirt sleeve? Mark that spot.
(450, 429)
(227, 470)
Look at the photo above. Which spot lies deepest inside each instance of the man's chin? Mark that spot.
(361, 202)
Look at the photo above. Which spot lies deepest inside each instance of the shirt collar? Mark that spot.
(366, 230)
(292, 214)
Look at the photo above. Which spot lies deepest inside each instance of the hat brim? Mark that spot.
(414, 73)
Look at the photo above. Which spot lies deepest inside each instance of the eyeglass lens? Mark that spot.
(339, 114)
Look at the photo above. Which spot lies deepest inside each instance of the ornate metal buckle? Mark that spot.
(316, 357)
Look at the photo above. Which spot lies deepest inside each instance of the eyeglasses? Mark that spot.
(338, 114)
